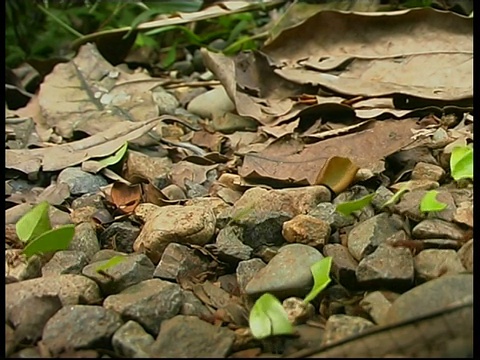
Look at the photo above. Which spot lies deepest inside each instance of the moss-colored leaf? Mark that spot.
(337, 173)
(430, 203)
(461, 162)
(321, 277)
(34, 223)
(115, 158)
(268, 317)
(349, 207)
(52, 240)
(395, 197)
(117, 259)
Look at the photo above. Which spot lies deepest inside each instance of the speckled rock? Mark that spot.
(81, 182)
(230, 247)
(327, 211)
(340, 326)
(377, 303)
(298, 311)
(436, 228)
(120, 236)
(132, 341)
(344, 265)
(85, 239)
(466, 255)
(426, 171)
(306, 229)
(246, 270)
(65, 262)
(19, 267)
(464, 214)
(433, 263)
(215, 101)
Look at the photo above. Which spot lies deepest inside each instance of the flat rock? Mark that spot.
(464, 214)
(287, 274)
(387, 267)
(166, 102)
(80, 327)
(382, 195)
(131, 270)
(175, 223)
(132, 341)
(211, 103)
(308, 230)
(191, 305)
(377, 303)
(426, 171)
(230, 246)
(81, 182)
(71, 290)
(11, 341)
(141, 166)
(246, 270)
(120, 236)
(149, 303)
(433, 263)
(364, 237)
(341, 326)
(85, 239)
(438, 229)
(178, 261)
(189, 337)
(431, 296)
(344, 265)
(409, 205)
(466, 255)
(65, 262)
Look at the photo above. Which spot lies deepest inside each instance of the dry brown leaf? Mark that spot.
(337, 173)
(291, 164)
(59, 157)
(126, 197)
(184, 171)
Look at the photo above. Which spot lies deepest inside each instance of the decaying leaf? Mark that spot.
(126, 197)
(337, 173)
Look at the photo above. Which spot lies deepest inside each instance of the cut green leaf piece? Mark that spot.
(115, 158)
(321, 277)
(395, 197)
(268, 317)
(430, 203)
(349, 207)
(461, 162)
(117, 259)
(52, 240)
(34, 223)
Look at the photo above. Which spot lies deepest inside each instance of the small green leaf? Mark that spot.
(348, 207)
(268, 317)
(34, 223)
(117, 259)
(321, 277)
(430, 203)
(115, 158)
(461, 162)
(395, 197)
(52, 240)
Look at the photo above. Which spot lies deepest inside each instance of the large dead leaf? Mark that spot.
(293, 162)
(59, 157)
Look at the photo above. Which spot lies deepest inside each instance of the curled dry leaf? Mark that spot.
(126, 197)
(337, 173)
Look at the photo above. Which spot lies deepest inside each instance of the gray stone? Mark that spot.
(120, 236)
(387, 267)
(466, 255)
(287, 274)
(461, 195)
(211, 103)
(175, 223)
(433, 263)
(409, 205)
(308, 230)
(431, 296)
(132, 341)
(230, 247)
(341, 326)
(436, 228)
(344, 265)
(426, 171)
(81, 182)
(190, 337)
(131, 270)
(364, 238)
(246, 270)
(353, 193)
(85, 239)
(216, 204)
(191, 305)
(80, 327)
(448, 213)
(19, 267)
(178, 261)
(105, 254)
(298, 311)
(65, 262)
(440, 244)
(71, 289)
(28, 353)
(212, 295)
(377, 303)
(326, 211)
(89, 200)
(382, 195)
(166, 102)
(149, 303)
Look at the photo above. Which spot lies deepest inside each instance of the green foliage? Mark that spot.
(321, 277)
(395, 197)
(461, 162)
(430, 203)
(268, 318)
(349, 207)
(34, 223)
(35, 229)
(117, 259)
(115, 158)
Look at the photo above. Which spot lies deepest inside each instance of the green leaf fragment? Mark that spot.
(321, 277)
(461, 162)
(395, 197)
(117, 259)
(34, 223)
(268, 317)
(115, 158)
(430, 203)
(349, 207)
(52, 240)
